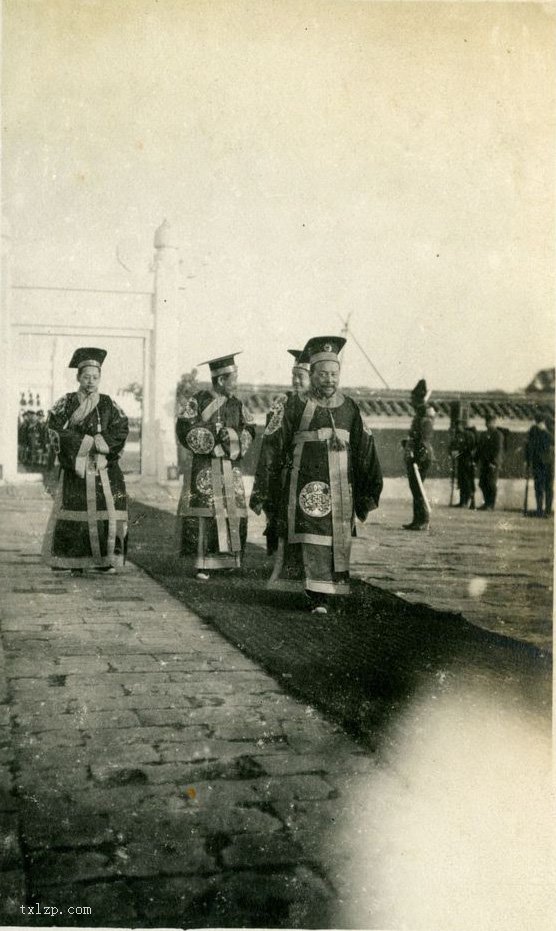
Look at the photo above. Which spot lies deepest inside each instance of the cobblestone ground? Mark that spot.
(155, 773)
(148, 767)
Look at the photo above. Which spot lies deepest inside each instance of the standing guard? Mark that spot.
(42, 433)
(216, 430)
(419, 455)
(331, 475)
(463, 449)
(490, 455)
(539, 457)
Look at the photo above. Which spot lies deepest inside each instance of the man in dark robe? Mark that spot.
(539, 456)
(490, 455)
(215, 430)
(301, 383)
(88, 524)
(419, 455)
(320, 472)
(463, 448)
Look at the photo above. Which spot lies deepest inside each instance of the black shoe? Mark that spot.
(484, 507)
(409, 526)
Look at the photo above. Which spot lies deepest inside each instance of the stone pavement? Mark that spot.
(495, 568)
(150, 770)
(154, 773)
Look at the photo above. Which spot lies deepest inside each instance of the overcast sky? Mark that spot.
(390, 161)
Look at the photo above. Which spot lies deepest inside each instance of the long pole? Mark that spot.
(360, 347)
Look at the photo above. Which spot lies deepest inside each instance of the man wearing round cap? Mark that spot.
(332, 476)
(216, 430)
(490, 456)
(301, 371)
(88, 525)
(301, 383)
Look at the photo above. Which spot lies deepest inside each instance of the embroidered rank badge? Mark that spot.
(204, 483)
(190, 409)
(59, 407)
(200, 441)
(277, 414)
(315, 499)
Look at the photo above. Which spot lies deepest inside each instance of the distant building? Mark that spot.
(388, 412)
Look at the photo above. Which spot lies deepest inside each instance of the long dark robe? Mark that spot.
(88, 523)
(318, 470)
(419, 453)
(212, 512)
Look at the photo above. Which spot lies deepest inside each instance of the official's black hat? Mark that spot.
(88, 355)
(420, 393)
(324, 348)
(223, 365)
(301, 360)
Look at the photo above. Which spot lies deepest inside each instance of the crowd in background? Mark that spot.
(34, 446)
(475, 455)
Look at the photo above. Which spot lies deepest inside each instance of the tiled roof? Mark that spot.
(392, 404)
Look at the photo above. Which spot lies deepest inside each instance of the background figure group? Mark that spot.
(539, 457)
(419, 454)
(463, 450)
(490, 455)
(32, 438)
(318, 471)
(215, 430)
(88, 524)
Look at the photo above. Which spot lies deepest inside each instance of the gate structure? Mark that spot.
(40, 324)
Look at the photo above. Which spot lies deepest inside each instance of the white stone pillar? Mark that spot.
(58, 370)
(159, 444)
(9, 396)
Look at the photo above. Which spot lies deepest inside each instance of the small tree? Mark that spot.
(136, 390)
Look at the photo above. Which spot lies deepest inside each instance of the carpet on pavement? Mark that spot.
(360, 664)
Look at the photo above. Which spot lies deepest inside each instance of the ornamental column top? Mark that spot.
(163, 238)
